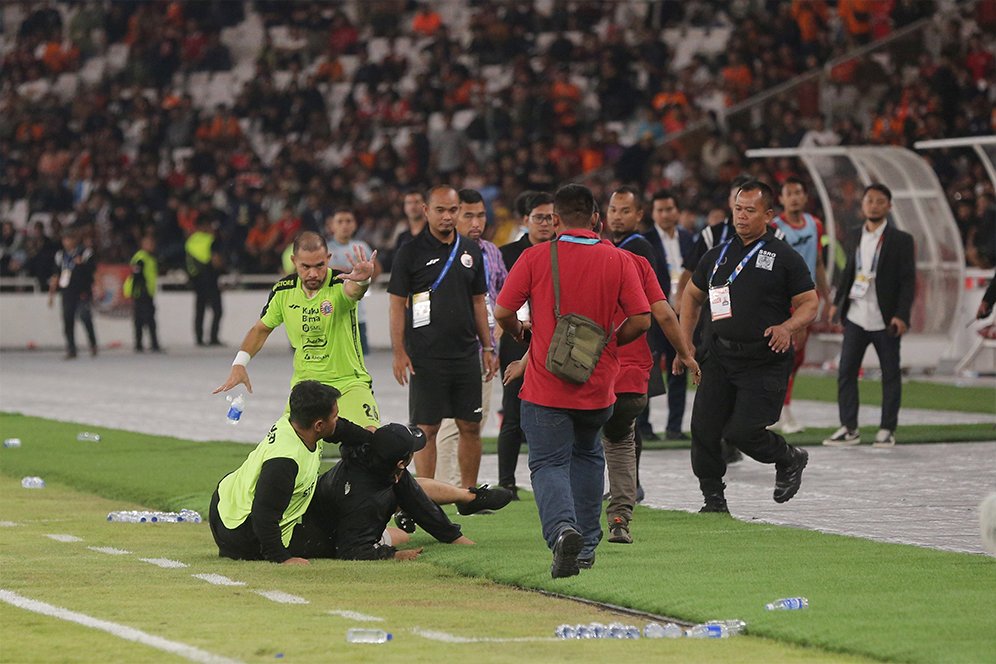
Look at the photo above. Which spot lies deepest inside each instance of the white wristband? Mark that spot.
(242, 359)
(365, 282)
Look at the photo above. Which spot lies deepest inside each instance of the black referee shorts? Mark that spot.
(446, 388)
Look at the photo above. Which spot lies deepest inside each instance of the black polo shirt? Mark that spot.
(637, 244)
(451, 332)
(761, 296)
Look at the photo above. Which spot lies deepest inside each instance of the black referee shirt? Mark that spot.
(711, 236)
(762, 295)
(451, 333)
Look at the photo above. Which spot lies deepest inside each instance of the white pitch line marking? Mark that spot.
(7, 524)
(60, 537)
(121, 631)
(218, 580)
(109, 550)
(282, 597)
(355, 615)
(445, 637)
(164, 563)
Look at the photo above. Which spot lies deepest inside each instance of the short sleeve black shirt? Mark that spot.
(452, 332)
(761, 296)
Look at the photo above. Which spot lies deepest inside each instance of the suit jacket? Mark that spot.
(895, 279)
(658, 342)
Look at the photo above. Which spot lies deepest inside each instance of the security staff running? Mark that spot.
(748, 286)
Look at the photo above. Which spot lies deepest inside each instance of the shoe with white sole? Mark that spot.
(885, 438)
(789, 423)
(843, 437)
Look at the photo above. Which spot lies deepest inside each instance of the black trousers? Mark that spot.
(207, 294)
(741, 393)
(852, 351)
(73, 306)
(510, 436)
(145, 318)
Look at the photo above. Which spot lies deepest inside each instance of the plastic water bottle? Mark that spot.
(585, 632)
(666, 631)
(12, 442)
(788, 604)
(361, 635)
(33, 482)
(238, 405)
(632, 632)
(734, 627)
(189, 516)
(705, 631)
(88, 437)
(616, 631)
(566, 632)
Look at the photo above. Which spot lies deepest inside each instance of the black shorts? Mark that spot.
(445, 388)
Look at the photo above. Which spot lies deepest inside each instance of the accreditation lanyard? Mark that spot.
(421, 302)
(487, 296)
(627, 241)
(862, 281)
(720, 304)
(574, 239)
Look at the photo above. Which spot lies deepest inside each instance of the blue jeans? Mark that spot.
(567, 469)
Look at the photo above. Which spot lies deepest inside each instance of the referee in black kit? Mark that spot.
(755, 291)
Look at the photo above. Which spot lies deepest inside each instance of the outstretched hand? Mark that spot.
(238, 376)
(362, 267)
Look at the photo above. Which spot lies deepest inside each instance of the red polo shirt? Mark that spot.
(596, 281)
(635, 359)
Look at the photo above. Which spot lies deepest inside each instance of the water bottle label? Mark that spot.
(234, 413)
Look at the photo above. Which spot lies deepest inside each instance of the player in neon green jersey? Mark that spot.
(317, 306)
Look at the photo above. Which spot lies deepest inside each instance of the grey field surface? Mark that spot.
(926, 495)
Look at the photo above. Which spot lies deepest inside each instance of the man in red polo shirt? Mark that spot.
(561, 419)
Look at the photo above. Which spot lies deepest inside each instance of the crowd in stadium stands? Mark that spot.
(495, 96)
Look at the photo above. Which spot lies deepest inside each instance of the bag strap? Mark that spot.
(556, 279)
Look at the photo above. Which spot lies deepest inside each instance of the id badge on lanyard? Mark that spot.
(491, 312)
(863, 281)
(719, 302)
(421, 309)
(860, 286)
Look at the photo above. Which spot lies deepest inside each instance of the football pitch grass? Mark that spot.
(869, 600)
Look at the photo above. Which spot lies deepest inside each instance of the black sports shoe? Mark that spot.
(485, 498)
(404, 521)
(714, 505)
(514, 489)
(586, 563)
(565, 554)
(788, 476)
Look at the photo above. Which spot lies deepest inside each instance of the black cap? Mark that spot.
(394, 442)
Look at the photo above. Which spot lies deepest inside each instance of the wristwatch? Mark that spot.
(488, 349)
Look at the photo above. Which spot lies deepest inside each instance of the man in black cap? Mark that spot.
(276, 507)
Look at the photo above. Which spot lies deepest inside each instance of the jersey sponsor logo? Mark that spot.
(325, 308)
(293, 306)
(467, 261)
(345, 490)
(431, 261)
(765, 260)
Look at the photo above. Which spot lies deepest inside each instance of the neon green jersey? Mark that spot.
(323, 330)
(237, 489)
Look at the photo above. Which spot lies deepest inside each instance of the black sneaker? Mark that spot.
(619, 532)
(788, 476)
(676, 435)
(514, 489)
(565, 554)
(714, 505)
(404, 521)
(586, 563)
(485, 498)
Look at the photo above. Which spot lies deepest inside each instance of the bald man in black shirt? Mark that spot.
(755, 292)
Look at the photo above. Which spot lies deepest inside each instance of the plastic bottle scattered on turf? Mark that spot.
(733, 626)
(360, 635)
(566, 632)
(666, 631)
(148, 516)
(236, 408)
(788, 604)
(12, 442)
(706, 631)
(33, 482)
(88, 437)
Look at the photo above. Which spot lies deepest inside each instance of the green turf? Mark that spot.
(885, 601)
(916, 394)
(237, 623)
